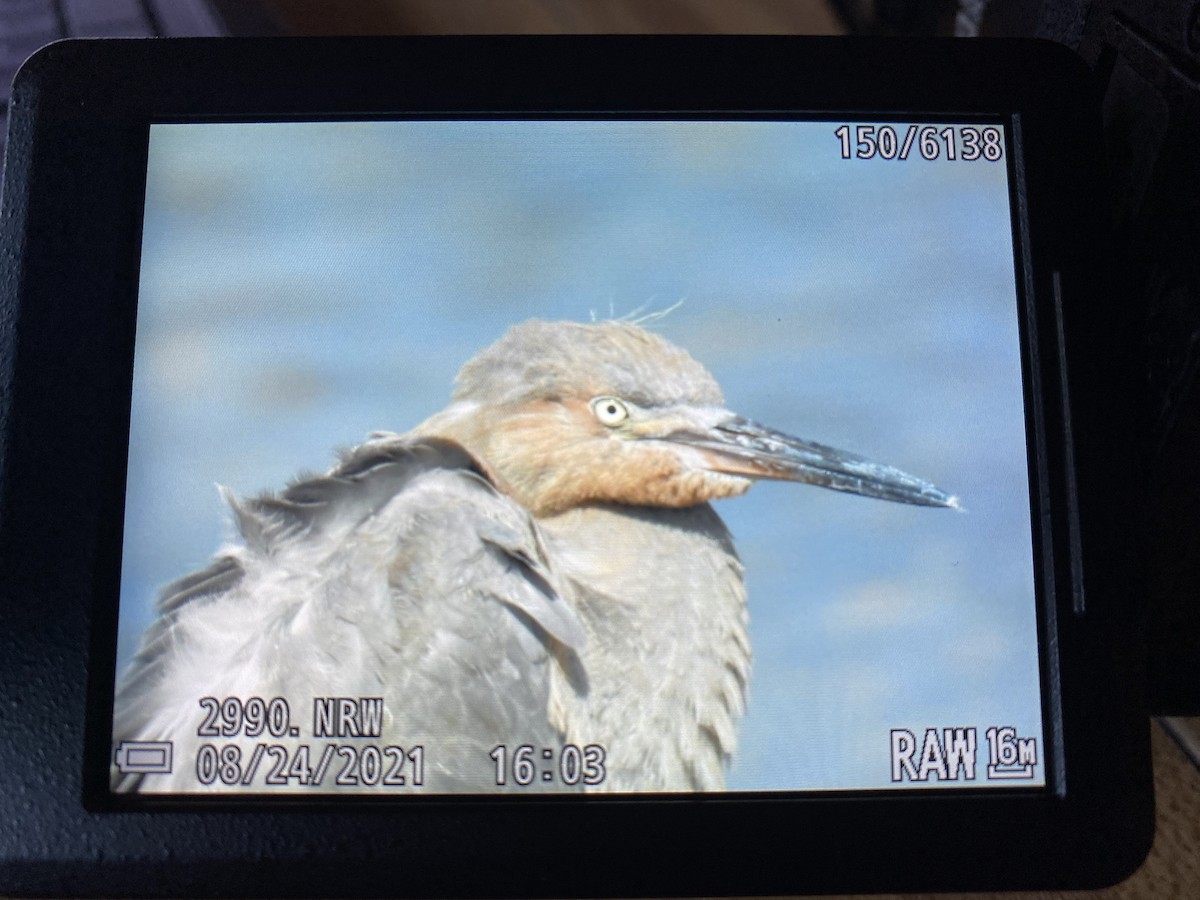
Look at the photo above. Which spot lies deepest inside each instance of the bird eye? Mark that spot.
(610, 411)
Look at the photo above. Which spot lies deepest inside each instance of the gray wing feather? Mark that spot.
(403, 574)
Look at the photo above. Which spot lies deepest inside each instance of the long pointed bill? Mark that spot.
(740, 447)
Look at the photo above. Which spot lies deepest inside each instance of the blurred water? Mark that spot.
(305, 284)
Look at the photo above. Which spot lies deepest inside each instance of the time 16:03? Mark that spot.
(568, 765)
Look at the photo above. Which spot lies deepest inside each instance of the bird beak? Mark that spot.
(738, 446)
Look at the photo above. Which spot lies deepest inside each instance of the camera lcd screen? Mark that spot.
(733, 494)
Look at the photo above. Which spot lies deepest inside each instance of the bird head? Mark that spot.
(563, 414)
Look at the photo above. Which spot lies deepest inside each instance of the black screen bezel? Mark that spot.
(81, 121)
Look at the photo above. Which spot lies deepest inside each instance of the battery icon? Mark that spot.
(144, 757)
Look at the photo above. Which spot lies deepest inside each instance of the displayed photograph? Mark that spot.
(577, 456)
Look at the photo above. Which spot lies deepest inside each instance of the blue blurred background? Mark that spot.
(305, 284)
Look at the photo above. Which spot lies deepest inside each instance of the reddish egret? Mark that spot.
(537, 564)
